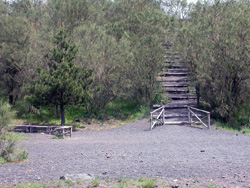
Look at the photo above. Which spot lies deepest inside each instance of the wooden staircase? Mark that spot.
(176, 83)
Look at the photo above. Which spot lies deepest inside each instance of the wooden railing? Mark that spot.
(156, 117)
(191, 113)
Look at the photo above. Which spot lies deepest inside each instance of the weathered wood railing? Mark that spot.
(156, 117)
(191, 112)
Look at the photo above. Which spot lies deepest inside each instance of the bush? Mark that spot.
(214, 43)
(8, 141)
(6, 115)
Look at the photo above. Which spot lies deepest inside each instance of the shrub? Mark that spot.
(6, 116)
(8, 141)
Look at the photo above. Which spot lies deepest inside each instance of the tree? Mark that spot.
(215, 42)
(62, 83)
(14, 46)
(144, 25)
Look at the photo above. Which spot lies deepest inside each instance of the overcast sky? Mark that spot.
(191, 1)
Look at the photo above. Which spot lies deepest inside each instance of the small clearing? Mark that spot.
(180, 153)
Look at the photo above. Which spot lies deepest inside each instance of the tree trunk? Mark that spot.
(62, 115)
(14, 102)
(11, 99)
(87, 108)
(197, 89)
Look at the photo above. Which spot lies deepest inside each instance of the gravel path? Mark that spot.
(177, 152)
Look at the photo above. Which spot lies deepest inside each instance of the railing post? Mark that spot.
(150, 121)
(189, 115)
(208, 118)
(163, 115)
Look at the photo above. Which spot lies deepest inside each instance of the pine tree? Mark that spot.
(63, 83)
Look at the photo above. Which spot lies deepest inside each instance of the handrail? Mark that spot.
(160, 118)
(199, 110)
(190, 112)
(157, 109)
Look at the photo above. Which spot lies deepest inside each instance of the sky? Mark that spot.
(191, 1)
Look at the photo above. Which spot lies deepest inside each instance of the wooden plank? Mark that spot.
(157, 109)
(199, 110)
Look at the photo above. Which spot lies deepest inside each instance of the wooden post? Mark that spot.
(70, 131)
(163, 115)
(189, 116)
(208, 118)
(150, 121)
(63, 132)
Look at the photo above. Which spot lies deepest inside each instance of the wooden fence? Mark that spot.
(156, 117)
(191, 113)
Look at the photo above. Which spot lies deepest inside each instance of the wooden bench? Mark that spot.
(57, 130)
(63, 131)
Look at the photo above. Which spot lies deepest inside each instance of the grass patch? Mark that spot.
(124, 110)
(2, 160)
(95, 182)
(141, 182)
(127, 111)
(224, 126)
(69, 182)
(245, 130)
(146, 183)
(80, 182)
(58, 137)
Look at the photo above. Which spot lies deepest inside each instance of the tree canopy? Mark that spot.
(122, 42)
(62, 83)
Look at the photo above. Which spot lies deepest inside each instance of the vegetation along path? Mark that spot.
(178, 152)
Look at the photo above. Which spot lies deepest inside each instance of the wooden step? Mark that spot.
(172, 74)
(183, 102)
(178, 70)
(178, 113)
(177, 123)
(168, 116)
(176, 89)
(173, 79)
(174, 106)
(178, 96)
(170, 60)
(174, 84)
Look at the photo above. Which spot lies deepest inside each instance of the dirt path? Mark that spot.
(176, 152)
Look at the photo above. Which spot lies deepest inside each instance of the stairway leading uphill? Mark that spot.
(176, 83)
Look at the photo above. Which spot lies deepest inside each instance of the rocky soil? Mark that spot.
(180, 153)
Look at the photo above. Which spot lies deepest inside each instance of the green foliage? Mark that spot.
(6, 116)
(14, 42)
(101, 53)
(69, 182)
(146, 183)
(23, 109)
(3, 7)
(95, 182)
(120, 41)
(63, 83)
(143, 26)
(8, 148)
(125, 110)
(8, 141)
(215, 44)
(58, 137)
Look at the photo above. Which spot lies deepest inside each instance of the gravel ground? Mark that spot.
(174, 152)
